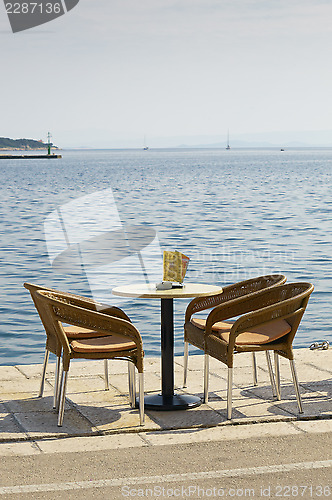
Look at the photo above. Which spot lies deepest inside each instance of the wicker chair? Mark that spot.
(268, 320)
(72, 332)
(239, 292)
(120, 340)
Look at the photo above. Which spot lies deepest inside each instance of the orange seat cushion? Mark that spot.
(78, 332)
(258, 335)
(220, 326)
(111, 343)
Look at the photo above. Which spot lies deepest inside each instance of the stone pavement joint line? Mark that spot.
(92, 411)
(168, 478)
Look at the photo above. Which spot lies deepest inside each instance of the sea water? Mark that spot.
(237, 214)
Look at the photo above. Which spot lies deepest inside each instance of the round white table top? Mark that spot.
(149, 291)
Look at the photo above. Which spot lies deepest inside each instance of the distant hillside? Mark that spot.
(6, 143)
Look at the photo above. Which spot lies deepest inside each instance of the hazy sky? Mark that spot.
(111, 71)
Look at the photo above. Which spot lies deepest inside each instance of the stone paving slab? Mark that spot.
(18, 448)
(220, 433)
(10, 428)
(249, 405)
(39, 425)
(89, 443)
(92, 411)
(115, 417)
(11, 373)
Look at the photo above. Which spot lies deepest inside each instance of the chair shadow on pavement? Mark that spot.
(30, 417)
(24, 416)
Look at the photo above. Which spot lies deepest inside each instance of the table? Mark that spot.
(168, 400)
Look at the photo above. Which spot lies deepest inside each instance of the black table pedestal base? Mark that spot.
(170, 403)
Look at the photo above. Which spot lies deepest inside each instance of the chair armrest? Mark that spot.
(115, 311)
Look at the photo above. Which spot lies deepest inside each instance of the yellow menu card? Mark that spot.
(175, 266)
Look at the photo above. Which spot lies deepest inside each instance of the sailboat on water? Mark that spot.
(228, 146)
(145, 147)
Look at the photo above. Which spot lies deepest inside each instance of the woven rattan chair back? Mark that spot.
(63, 309)
(234, 291)
(52, 343)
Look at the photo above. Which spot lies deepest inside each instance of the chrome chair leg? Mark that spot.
(296, 385)
(59, 388)
(57, 382)
(272, 379)
(42, 383)
(185, 363)
(141, 399)
(229, 393)
(62, 397)
(206, 378)
(130, 387)
(107, 386)
(254, 369)
(277, 375)
(132, 384)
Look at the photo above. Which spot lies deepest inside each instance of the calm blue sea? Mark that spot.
(236, 214)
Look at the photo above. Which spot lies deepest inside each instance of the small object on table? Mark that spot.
(164, 285)
(168, 285)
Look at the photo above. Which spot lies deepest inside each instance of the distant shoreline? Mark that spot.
(8, 144)
(27, 149)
